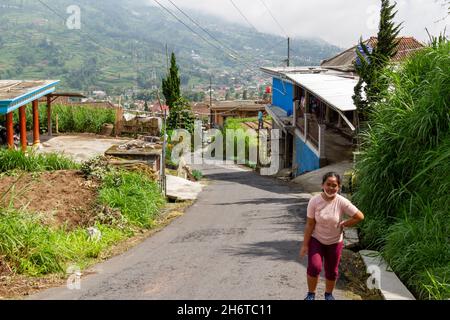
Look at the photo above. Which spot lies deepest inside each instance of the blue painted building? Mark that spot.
(306, 157)
(282, 95)
(295, 151)
(305, 101)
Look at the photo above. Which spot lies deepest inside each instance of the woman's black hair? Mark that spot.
(331, 174)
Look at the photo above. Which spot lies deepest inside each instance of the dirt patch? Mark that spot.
(61, 197)
(353, 277)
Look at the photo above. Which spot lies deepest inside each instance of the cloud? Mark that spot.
(340, 22)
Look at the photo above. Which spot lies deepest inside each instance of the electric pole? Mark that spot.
(167, 59)
(288, 51)
(210, 100)
(163, 153)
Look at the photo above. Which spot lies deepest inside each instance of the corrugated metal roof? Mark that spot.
(16, 93)
(335, 90)
(237, 104)
(12, 89)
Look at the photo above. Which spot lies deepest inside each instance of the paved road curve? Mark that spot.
(240, 240)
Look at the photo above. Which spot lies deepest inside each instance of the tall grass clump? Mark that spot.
(73, 118)
(31, 248)
(241, 133)
(17, 160)
(403, 182)
(137, 197)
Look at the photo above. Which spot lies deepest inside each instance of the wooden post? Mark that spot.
(118, 124)
(9, 130)
(306, 126)
(339, 124)
(49, 116)
(56, 124)
(23, 128)
(295, 104)
(286, 158)
(322, 129)
(36, 139)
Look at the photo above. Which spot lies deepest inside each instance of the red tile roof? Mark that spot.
(345, 60)
(406, 46)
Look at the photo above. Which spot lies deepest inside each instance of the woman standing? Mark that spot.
(323, 240)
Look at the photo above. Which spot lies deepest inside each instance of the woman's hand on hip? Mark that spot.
(303, 251)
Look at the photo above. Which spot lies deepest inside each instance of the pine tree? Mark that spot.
(371, 63)
(386, 46)
(171, 84)
(181, 116)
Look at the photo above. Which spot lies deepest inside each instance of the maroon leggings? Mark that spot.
(329, 254)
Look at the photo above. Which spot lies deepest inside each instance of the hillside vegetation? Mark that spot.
(121, 44)
(404, 174)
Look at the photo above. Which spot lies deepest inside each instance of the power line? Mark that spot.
(270, 45)
(203, 29)
(64, 19)
(192, 30)
(203, 38)
(242, 14)
(84, 33)
(234, 52)
(273, 17)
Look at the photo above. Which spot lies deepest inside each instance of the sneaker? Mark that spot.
(310, 296)
(329, 296)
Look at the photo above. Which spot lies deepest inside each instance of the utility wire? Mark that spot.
(203, 29)
(234, 52)
(85, 33)
(192, 30)
(273, 17)
(279, 25)
(64, 19)
(243, 16)
(203, 38)
(270, 45)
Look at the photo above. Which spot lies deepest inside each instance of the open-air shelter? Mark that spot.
(17, 94)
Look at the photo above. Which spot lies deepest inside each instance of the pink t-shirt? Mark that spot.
(328, 214)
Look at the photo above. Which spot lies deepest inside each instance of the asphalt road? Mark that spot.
(240, 240)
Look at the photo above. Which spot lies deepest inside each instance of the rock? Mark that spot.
(94, 234)
(351, 238)
(182, 189)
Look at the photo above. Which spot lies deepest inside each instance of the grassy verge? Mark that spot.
(16, 160)
(137, 197)
(72, 118)
(32, 248)
(403, 175)
(241, 135)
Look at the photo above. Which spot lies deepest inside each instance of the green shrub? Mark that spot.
(137, 197)
(72, 118)
(240, 131)
(197, 174)
(17, 160)
(34, 249)
(403, 174)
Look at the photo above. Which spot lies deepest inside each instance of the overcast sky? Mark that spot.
(340, 22)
